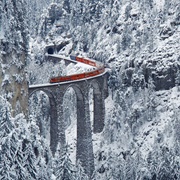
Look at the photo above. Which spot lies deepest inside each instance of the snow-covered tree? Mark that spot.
(63, 167)
(139, 41)
(14, 47)
(80, 174)
(23, 154)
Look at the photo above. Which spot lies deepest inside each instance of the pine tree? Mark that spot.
(10, 165)
(23, 154)
(30, 163)
(45, 161)
(6, 128)
(63, 167)
(80, 174)
(6, 124)
(18, 157)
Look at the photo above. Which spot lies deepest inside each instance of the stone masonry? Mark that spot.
(56, 93)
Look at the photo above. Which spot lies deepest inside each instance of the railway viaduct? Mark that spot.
(56, 92)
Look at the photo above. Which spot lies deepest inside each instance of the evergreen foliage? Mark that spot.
(63, 167)
(80, 174)
(139, 40)
(23, 155)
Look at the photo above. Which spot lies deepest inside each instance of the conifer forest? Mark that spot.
(138, 41)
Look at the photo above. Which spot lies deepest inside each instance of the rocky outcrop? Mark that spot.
(14, 45)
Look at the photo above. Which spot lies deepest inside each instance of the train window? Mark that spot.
(50, 50)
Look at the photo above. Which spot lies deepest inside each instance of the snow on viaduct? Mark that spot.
(55, 92)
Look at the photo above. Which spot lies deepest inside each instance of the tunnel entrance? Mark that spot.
(50, 50)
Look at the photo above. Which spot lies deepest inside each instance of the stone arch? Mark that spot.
(69, 110)
(53, 118)
(84, 135)
(77, 89)
(69, 106)
(98, 118)
(80, 100)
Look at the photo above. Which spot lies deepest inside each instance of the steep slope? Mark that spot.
(140, 42)
(23, 153)
(13, 55)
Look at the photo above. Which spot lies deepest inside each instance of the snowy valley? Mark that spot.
(139, 41)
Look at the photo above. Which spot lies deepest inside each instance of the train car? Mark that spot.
(83, 60)
(76, 76)
(100, 69)
(60, 79)
(86, 61)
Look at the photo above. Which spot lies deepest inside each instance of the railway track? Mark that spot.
(99, 69)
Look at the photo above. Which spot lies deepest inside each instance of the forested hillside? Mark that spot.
(138, 40)
(22, 150)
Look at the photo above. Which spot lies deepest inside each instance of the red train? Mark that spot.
(100, 69)
(86, 61)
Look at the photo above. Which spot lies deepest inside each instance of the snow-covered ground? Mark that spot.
(50, 69)
(139, 40)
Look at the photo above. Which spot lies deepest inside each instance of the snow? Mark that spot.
(6, 80)
(71, 139)
(1, 33)
(74, 69)
(131, 39)
(159, 4)
(62, 57)
(167, 101)
(135, 10)
(66, 82)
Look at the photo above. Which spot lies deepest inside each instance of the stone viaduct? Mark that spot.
(56, 92)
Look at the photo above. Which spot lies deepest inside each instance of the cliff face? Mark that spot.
(14, 46)
(142, 34)
(139, 40)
